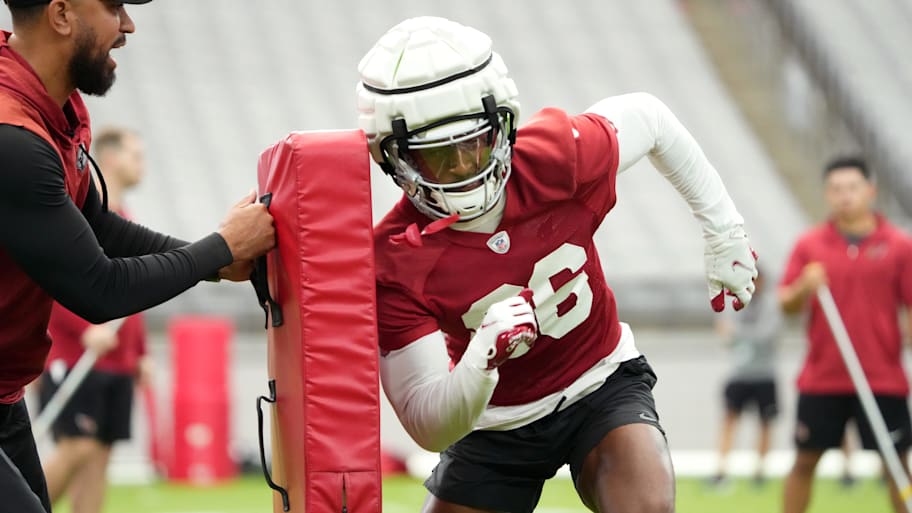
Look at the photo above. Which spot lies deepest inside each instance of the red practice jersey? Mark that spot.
(66, 330)
(562, 186)
(870, 281)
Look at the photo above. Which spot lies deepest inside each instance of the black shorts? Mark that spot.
(822, 420)
(505, 470)
(100, 408)
(759, 394)
(22, 485)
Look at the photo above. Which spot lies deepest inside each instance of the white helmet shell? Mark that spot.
(414, 55)
(425, 70)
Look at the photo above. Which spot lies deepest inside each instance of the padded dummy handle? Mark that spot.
(260, 280)
(271, 399)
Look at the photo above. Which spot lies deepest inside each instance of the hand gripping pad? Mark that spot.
(323, 358)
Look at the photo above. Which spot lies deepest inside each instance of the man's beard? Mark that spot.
(89, 69)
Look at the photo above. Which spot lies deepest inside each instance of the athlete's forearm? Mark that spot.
(436, 406)
(792, 298)
(907, 336)
(646, 127)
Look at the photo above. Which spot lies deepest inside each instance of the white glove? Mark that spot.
(508, 330)
(731, 267)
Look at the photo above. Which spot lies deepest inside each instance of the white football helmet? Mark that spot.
(439, 110)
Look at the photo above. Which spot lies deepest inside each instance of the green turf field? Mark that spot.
(404, 495)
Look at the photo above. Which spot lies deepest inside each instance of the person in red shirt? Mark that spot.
(500, 342)
(99, 412)
(867, 264)
(59, 241)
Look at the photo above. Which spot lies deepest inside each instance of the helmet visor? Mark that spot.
(454, 160)
(447, 153)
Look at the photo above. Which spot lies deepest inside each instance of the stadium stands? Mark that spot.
(858, 51)
(213, 83)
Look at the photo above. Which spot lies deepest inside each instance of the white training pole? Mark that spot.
(42, 425)
(865, 396)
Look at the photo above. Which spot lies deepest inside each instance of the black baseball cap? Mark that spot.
(29, 3)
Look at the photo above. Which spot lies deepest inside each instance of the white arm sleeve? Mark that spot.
(436, 406)
(645, 126)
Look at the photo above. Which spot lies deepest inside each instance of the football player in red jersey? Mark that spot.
(500, 342)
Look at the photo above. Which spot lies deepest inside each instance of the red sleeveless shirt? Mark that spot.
(24, 307)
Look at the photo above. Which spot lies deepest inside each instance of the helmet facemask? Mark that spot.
(457, 165)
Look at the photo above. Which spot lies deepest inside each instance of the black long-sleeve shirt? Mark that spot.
(92, 261)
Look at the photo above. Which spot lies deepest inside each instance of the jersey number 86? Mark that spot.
(547, 300)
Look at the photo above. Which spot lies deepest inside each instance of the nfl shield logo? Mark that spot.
(499, 243)
(81, 159)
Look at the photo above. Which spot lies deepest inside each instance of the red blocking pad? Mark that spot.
(323, 358)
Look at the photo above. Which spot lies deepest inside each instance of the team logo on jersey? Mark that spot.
(82, 159)
(499, 242)
(876, 251)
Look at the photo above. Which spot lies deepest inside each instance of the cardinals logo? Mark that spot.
(499, 243)
(876, 251)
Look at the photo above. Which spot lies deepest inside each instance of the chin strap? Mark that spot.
(412, 236)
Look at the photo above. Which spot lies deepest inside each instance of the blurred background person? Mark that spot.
(99, 412)
(867, 263)
(752, 336)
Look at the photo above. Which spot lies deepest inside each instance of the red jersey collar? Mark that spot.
(879, 229)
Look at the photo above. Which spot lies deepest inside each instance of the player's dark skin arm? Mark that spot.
(60, 247)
